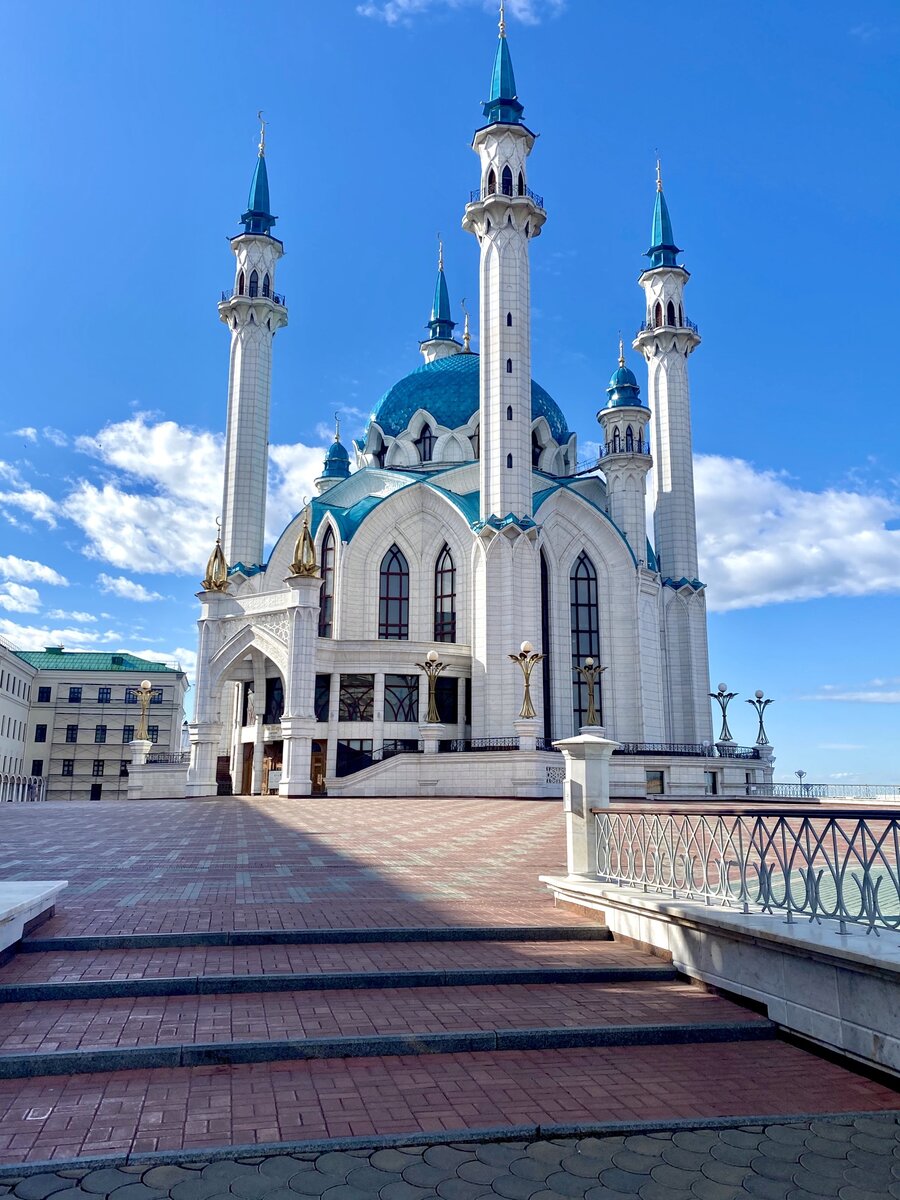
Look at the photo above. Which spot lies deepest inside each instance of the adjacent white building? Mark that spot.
(17, 779)
(467, 528)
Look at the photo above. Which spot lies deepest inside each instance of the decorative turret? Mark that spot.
(253, 313)
(503, 105)
(663, 249)
(441, 342)
(626, 455)
(337, 462)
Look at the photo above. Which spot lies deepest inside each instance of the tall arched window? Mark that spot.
(267, 287)
(509, 318)
(424, 443)
(670, 313)
(445, 597)
(254, 283)
(507, 181)
(393, 596)
(491, 182)
(241, 284)
(629, 440)
(509, 462)
(657, 315)
(536, 449)
(546, 646)
(585, 626)
(509, 415)
(616, 440)
(521, 184)
(509, 366)
(326, 591)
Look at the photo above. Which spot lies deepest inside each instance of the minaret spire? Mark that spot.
(503, 104)
(258, 218)
(662, 250)
(440, 342)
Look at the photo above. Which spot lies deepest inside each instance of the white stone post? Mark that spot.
(586, 787)
(139, 751)
(431, 735)
(527, 730)
(299, 720)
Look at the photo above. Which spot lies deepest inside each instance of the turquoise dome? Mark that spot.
(623, 388)
(448, 389)
(337, 462)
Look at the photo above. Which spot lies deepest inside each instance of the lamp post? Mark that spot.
(760, 705)
(432, 666)
(723, 697)
(590, 673)
(527, 658)
(801, 775)
(145, 694)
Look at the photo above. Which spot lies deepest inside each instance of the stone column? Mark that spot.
(299, 720)
(527, 731)
(431, 735)
(586, 787)
(206, 730)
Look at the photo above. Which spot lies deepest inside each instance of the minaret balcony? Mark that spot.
(255, 294)
(621, 447)
(651, 326)
(508, 192)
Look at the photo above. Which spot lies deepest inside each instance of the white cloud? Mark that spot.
(57, 614)
(292, 470)
(858, 696)
(841, 746)
(20, 495)
(28, 432)
(26, 570)
(764, 541)
(401, 12)
(36, 637)
(16, 597)
(186, 659)
(55, 436)
(128, 589)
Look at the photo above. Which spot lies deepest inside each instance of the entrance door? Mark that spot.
(317, 767)
(96, 790)
(247, 769)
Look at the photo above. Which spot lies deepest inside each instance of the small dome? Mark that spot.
(623, 387)
(448, 388)
(337, 462)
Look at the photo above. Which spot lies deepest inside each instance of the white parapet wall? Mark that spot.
(157, 781)
(522, 773)
(23, 905)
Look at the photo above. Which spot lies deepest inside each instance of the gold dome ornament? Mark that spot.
(216, 577)
(305, 552)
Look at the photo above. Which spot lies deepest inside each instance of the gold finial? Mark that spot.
(621, 352)
(337, 427)
(440, 253)
(216, 577)
(502, 20)
(467, 337)
(658, 176)
(304, 552)
(262, 134)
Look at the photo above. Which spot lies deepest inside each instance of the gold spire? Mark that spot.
(621, 352)
(304, 552)
(440, 253)
(262, 134)
(337, 427)
(658, 176)
(467, 337)
(502, 20)
(216, 577)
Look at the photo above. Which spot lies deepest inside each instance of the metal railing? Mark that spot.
(161, 756)
(546, 744)
(826, 791)
(649, 326)
(275, 297)
(350, 760)
(513, 193)
(623, 447)
(465, 745)
(688, 749)
(841, 866)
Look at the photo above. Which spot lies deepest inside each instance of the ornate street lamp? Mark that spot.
(801, 775)
(145, 695)
(590, 673)
(527, 659)
(432, 666)
(760, 705)
(723, 698)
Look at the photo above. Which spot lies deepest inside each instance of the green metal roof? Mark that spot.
(662, 249)
(503, 105)
(258, 218)
(441, 324)
(52, 659)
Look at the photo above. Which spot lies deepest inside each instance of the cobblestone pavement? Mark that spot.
(852, 1159)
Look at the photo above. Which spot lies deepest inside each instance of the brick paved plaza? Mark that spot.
(346, 1004)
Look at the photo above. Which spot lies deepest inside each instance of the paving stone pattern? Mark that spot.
(850, 1159)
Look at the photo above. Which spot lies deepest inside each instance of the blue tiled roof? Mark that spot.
(448, 389)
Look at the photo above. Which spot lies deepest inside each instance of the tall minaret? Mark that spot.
(504, 215)
(626, 456)
(253, 313)
(665, 340)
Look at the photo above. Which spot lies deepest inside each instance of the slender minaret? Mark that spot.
(504, 216)
(440, 342)
(253, 313)
(666, 339)
(626, 456)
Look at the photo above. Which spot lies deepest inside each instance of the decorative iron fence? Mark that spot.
(649, 326)
(688, 749)
(465, 745)
(159, 756)
(827, 791)
(507, 190)
(275, 297)
(839, 866)
(350, 759)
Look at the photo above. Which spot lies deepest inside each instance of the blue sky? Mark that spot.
(129, 138)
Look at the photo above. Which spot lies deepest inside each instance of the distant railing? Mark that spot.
(21, 789)
(688, 749)
(251, 294)
(350, 760)
(826, 791)
(484, 193)
(624, 447)
(824, 866)
(161, 756)
(467, 745)
(546, 744)
(649, 326)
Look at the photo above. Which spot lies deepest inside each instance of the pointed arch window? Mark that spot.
(629, 440)
(521, 184)
(491, 182)
(509, 415)
(509, 462)
(393, 596)
(536, 449)
(326, 591)
(509, 318)
(657, 315)
(267, 287)
(670, 313)
(616, 441)
(445, 597)
(241, 284)
(424, 443)
(254, 284)
(585, 627)
(509, 366)
(507, 181)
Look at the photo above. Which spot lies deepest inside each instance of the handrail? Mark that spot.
(276, 297)
(510, 193)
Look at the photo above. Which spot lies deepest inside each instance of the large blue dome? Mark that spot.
(448, 389)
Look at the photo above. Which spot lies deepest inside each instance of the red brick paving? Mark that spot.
(212, 1106)
(149, 1021)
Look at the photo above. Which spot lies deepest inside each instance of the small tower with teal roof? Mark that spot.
(253, 312)
(440, 341)
(625, 458)
(337, 462)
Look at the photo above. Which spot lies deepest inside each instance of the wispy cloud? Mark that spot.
(28, 432)
(26, 570)
(865, 31)
(843, 747)
(127, 589)
(862, 696)
(58, 614)
(19, 495)
(16, 597)
(36, 637)
(402, 12)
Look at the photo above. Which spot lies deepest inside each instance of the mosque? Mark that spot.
(382, 647)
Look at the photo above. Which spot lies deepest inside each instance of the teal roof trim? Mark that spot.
(677, 584)
(448, 388)
(257, 218)
(652, 560)
(662, 250)
(90, 660)
(503, 106)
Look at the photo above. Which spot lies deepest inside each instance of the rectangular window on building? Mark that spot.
(401, 697)
(43, 695)
(127, 733)
(74, 695)
(711, 783)
(323, 691)
(68, 766)
(156, 696)
(352, 755)
(97, 767)
(100, 734)
(71, 733)
(153, 733)
(123, 768)
(104, 695)
(131, 696)
(37, 766)
(40, 733)
(357, 698)
(447, 696)
(656, 783)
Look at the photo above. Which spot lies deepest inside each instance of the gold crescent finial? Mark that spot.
(621, 351)
(262, 134)
(502, 20)
(440, 253)
(658, 176)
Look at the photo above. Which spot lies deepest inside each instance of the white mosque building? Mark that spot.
(466, 529)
